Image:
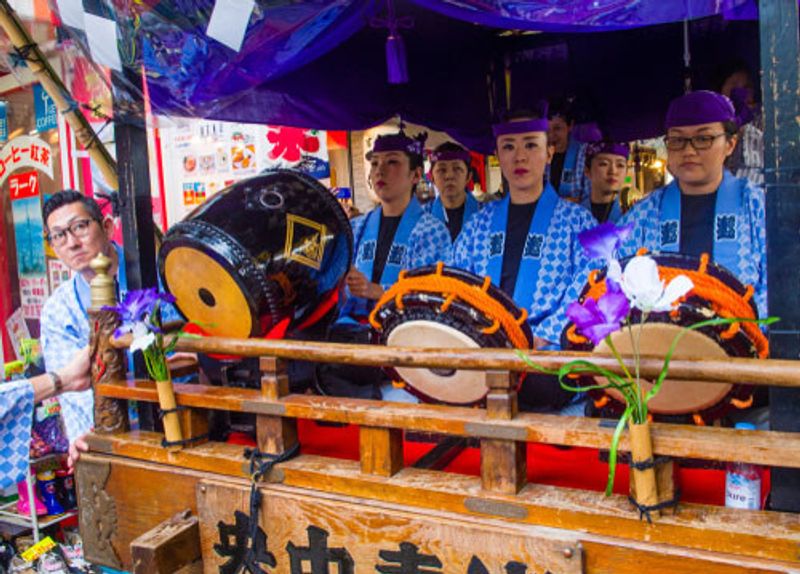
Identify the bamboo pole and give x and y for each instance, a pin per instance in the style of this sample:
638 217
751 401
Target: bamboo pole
55 88
734 370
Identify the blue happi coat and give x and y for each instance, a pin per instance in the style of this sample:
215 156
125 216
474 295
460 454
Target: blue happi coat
436 209
16 421
740 243
574 184
616 210
553 269
420 240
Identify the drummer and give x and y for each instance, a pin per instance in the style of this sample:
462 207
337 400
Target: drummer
527 243
705 209
397 234
451 173
606 167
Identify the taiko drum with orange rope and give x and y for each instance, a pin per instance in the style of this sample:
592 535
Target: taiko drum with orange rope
444 307
716 293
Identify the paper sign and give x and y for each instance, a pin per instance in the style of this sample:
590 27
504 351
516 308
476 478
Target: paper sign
229 20
32 292
101 34
17 330
71 13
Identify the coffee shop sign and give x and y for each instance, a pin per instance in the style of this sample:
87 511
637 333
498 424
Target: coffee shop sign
25 152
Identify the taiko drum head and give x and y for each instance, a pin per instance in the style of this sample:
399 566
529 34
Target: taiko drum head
264 250
448 308
716 289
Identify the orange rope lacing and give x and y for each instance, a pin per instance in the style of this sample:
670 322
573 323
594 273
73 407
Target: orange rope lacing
477 297
723 300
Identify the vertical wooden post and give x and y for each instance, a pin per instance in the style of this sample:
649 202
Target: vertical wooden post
274 434
780 83
108 363
381 450
503 463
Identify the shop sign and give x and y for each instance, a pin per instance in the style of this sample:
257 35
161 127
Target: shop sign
33 292
45 108
25 151
22 185
3 122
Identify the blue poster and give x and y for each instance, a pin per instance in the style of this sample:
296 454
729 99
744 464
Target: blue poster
46 113
3 123
28 235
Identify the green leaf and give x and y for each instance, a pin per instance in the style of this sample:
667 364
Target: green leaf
612 455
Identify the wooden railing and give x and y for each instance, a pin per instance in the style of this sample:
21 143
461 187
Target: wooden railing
502 430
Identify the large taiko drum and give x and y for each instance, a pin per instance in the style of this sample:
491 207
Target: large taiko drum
444 307
263 252
716 293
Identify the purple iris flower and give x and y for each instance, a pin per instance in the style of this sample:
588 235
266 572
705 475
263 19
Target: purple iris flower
597 319
604 240
135 308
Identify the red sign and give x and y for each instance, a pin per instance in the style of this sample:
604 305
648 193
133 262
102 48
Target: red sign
25 184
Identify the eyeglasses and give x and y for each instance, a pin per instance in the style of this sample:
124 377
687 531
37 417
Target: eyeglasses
78 229
701 142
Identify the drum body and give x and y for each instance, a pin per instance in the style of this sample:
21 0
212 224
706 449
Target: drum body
263 251
681 400
443 307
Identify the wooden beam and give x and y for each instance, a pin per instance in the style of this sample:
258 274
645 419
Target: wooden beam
504 467
169 547
732 370
274 434
769 448
747 535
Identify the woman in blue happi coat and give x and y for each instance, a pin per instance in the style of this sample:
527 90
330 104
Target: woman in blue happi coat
455 205
606 168
705 209
395 235
527 243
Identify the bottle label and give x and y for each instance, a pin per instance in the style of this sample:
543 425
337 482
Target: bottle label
742 492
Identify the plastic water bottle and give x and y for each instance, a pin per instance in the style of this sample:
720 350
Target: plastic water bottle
743 481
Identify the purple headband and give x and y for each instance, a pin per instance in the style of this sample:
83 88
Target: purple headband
701 107
399 142
614 148
521 127
462 155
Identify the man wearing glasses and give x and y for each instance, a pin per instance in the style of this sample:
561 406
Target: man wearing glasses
77 231
705 209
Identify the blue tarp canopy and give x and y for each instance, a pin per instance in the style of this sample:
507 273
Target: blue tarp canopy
322 63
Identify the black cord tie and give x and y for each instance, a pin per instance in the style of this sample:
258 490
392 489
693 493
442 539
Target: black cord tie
164 412
645 510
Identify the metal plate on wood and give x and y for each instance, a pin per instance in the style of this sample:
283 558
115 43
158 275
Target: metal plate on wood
306 533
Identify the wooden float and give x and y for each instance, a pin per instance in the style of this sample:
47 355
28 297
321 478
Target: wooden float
144 508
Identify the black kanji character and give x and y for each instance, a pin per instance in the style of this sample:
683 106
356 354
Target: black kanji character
409 561
242 558
476 566
318 555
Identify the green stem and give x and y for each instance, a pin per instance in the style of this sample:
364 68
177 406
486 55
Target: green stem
622 364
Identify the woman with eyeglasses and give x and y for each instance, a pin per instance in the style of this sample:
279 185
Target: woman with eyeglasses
705 209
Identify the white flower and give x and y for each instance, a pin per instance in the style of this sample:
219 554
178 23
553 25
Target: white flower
644 288
142 337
